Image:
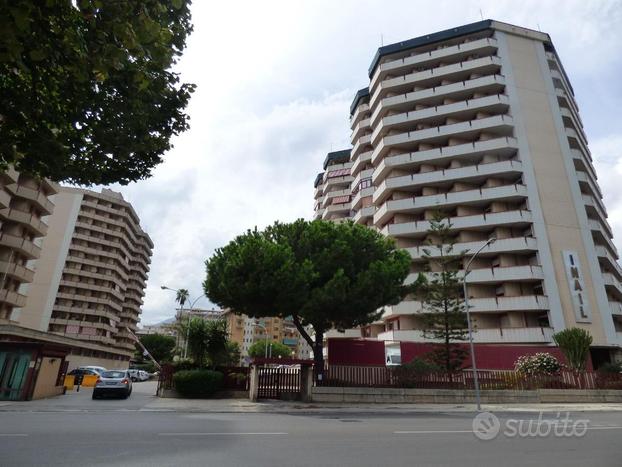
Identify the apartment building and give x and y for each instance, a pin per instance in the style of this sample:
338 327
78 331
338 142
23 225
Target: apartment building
90 278
481 123
246 331
333 192
24 205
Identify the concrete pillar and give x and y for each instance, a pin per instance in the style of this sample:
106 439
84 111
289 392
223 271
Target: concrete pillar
253 387
306 383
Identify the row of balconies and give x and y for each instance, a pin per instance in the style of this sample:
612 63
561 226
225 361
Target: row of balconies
470 174
93 288
445 200
136 234
477 305
28 220
496 104
493 275
495 335
17 271
498 125
85 311
74 258
63 294
14 299
115 238
328 197
36 197
488 220
21 245
133 222
493 83
486 46
503 245
433 77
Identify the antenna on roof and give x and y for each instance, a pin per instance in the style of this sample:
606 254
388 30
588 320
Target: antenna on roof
539 27
381 40
481 15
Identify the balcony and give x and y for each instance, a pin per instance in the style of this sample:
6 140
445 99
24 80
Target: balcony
420 228
359 162
458 71
17 271
30 221
14 299
501 125
613 283
5 198
616 308
360 144
21 245
359 113
336 211
513 245
38 198
603 253
328 198
493 83
333 333
505 146
362 175
446 200
582 162
496 275
586 180
478 173
484 46
594 204
497 104
602 231
358 198
364 214
481 336
359 129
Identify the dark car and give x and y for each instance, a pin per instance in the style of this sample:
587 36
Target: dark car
116 382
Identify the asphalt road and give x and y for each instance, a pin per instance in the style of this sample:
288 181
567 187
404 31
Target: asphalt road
119 432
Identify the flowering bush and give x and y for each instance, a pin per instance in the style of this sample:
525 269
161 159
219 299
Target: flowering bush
538 364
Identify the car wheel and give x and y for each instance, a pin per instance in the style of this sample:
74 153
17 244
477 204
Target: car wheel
95 396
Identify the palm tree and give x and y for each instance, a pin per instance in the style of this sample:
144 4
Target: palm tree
182 297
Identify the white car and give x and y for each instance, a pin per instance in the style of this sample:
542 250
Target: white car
138 375
116 382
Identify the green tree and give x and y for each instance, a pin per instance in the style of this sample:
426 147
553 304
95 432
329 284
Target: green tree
275 349
444 318
322 274
575 344
207 341
159 346
87 91
233 355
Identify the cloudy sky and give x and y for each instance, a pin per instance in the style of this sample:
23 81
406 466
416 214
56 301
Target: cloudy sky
274 84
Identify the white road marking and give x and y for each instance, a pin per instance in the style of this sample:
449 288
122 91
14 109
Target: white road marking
12 435
421 432
226 434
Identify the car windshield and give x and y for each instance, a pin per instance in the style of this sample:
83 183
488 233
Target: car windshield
113 374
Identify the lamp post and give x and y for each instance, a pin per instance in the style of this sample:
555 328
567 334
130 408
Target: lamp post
266 333
181 313
470 328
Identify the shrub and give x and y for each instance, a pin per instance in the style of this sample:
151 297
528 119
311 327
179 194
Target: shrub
539 364
575 345
410 374
198 383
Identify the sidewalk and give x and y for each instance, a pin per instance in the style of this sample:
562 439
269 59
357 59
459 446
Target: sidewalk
280 407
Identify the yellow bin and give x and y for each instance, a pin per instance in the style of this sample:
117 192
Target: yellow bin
69 380
89 380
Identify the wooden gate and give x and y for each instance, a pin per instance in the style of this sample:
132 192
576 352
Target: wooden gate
278 383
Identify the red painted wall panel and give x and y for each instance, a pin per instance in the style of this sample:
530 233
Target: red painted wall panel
355 352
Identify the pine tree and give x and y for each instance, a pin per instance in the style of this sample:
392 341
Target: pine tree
444 318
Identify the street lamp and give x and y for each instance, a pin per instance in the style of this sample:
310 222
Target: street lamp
468 313
181 312
266 333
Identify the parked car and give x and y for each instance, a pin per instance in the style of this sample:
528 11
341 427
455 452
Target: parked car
116 382
97 369
138 375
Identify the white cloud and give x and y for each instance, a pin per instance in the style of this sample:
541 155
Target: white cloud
275 81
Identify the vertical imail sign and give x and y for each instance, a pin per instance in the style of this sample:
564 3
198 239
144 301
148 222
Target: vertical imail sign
580 302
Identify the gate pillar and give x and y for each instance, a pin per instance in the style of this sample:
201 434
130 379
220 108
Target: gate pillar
306 382
253 386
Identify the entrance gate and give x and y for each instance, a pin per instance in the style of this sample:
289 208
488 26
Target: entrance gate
278 383
13 371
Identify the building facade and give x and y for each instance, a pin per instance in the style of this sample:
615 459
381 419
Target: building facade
90 278
25 204
480 123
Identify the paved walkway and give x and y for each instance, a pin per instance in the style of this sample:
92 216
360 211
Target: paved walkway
143 399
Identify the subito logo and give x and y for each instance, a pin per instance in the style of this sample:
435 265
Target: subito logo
486 426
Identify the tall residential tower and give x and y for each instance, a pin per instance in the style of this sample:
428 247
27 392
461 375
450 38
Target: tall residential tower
480 122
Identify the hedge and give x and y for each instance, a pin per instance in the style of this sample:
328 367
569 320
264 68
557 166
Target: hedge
198 383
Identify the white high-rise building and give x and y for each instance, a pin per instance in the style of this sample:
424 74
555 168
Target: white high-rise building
480 122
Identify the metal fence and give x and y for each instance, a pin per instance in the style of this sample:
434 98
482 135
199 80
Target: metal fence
381 376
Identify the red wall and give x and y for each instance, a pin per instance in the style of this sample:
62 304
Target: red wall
487 356
355 352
